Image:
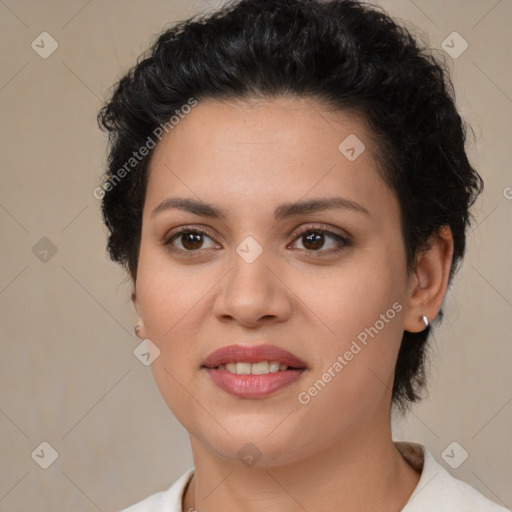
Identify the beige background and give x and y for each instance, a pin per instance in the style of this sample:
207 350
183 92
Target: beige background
68 374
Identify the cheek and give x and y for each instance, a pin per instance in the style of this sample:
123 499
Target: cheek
354 373
353 299
172 386
170 304
361 309
168 296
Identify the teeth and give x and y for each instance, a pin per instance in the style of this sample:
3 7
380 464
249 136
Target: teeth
243 368
274 367
259 368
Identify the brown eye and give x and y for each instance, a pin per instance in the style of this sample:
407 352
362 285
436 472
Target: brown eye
189 240
315 239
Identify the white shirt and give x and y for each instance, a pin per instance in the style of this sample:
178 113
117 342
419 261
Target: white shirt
437 490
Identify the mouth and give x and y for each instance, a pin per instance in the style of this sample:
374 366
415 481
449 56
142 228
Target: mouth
255 360
259 368
253 371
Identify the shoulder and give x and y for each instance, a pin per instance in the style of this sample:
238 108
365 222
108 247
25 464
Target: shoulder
438 490
164 501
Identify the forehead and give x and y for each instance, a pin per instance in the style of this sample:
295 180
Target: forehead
262 151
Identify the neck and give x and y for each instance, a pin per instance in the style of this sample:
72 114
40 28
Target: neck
362 471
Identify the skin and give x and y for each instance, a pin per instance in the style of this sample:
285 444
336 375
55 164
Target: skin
335 452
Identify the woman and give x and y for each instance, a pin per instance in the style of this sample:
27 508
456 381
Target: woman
288 188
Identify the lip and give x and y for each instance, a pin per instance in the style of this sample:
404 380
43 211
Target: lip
252 354
253 386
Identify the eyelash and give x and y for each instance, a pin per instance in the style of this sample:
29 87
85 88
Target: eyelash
342 242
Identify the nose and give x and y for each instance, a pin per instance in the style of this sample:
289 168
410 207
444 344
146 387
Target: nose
252 294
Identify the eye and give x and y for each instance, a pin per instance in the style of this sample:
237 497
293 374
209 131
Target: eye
314 239
191 240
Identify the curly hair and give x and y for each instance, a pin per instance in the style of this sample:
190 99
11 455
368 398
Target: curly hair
351 56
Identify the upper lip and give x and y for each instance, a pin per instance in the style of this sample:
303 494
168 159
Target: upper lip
252 354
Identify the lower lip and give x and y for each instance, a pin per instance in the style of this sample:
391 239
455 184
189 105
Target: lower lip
253 386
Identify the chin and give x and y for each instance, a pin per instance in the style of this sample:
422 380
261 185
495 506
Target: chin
260 442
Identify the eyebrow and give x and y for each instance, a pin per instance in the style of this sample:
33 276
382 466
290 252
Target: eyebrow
283 211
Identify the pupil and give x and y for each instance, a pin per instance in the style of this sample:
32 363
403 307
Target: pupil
314 238
191 240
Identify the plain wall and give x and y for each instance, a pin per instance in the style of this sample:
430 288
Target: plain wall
68 374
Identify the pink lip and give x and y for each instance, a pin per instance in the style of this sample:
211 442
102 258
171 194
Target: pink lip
253 386
252 354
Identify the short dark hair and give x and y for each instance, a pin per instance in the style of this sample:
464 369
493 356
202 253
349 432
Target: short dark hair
350 55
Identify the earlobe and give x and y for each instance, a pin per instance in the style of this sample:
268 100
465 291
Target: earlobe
139 324
430 281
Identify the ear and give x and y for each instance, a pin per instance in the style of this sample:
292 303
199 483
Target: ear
429 282
136 306
134 299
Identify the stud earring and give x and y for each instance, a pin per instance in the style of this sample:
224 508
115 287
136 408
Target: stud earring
136 329
425 321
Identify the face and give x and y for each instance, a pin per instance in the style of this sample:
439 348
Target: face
326 284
